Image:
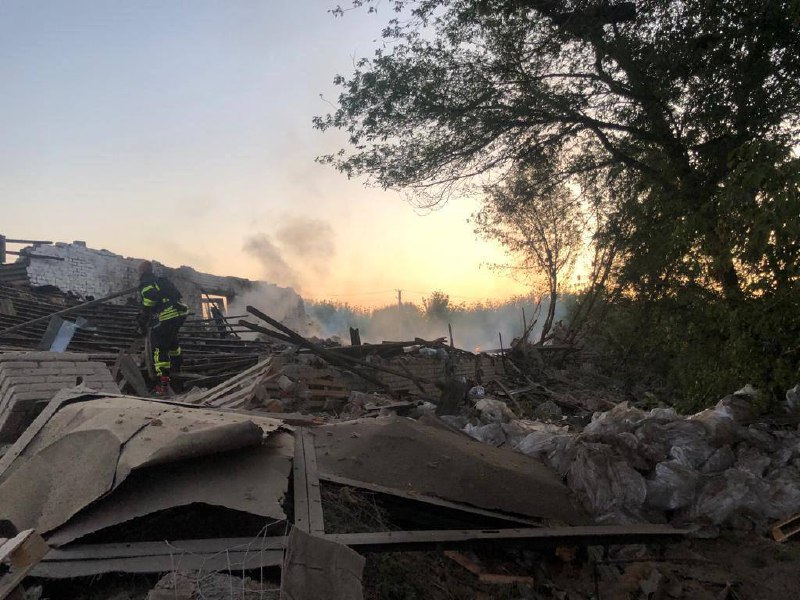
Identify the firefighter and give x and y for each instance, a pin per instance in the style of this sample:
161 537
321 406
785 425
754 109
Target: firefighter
162 313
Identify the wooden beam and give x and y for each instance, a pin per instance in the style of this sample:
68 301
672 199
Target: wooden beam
600 535
787 528
388 541
32 242
132 374
316 520
307 497
224 560
302 519
294 338
83 557
343 359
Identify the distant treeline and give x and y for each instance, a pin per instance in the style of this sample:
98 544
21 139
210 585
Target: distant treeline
475 325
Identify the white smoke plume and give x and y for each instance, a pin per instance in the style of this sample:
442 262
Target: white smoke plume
475 328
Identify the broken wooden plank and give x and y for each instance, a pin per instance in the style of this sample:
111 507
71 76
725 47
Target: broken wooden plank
783 530
510 396
133 375
463 561
243 378
302 519
172 558
505 579
316 521
333 358
86 556
268 332
23 552
601 535
307 497
492 578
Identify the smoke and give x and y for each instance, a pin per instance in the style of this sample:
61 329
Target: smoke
275 268
279 303
475 327
308 239
298 256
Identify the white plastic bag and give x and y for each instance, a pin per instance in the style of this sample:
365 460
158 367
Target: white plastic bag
621 418
494 411
491 434
672 486
603 481
721 496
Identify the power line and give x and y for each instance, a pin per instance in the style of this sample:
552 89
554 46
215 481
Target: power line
349 294
394 291
448 295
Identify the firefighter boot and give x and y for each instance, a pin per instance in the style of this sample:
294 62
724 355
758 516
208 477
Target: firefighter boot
162 387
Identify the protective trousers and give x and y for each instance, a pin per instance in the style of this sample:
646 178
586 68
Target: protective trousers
166 348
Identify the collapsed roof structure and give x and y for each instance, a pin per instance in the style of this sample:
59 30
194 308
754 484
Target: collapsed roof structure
94 475
276 436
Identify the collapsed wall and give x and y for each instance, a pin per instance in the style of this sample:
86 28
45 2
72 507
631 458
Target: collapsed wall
477 368
87 272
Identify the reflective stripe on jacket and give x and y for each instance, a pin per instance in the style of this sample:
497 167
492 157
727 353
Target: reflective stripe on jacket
161 297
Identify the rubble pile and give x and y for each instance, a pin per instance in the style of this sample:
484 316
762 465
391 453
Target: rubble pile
222 490
714 468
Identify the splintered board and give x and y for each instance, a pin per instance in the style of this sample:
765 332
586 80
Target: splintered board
23 552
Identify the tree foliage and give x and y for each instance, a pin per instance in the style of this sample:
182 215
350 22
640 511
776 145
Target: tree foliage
689 107
438 306
681 116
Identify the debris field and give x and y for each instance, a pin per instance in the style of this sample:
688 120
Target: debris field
284 466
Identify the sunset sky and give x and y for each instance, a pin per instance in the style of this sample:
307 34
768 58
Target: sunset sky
181 131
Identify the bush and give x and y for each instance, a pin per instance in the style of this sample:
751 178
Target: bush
692 348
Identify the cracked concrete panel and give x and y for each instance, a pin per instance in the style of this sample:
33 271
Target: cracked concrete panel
60 480
401 453
88 448
173 436
252 480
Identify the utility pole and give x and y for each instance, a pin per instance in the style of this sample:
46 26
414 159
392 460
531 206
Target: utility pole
400 319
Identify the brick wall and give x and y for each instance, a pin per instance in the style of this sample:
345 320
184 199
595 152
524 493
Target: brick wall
28 380
89 272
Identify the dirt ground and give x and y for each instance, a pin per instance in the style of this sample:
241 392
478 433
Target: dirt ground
730 567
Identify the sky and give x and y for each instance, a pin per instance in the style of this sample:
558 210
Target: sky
181 131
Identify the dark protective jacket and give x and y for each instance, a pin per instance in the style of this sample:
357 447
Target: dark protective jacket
160 298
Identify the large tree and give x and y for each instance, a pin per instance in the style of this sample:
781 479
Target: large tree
687 111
